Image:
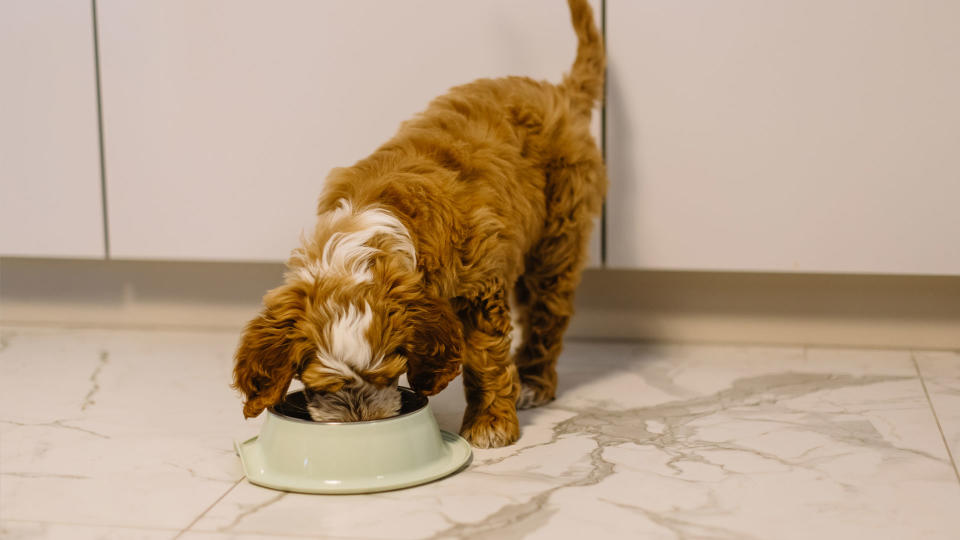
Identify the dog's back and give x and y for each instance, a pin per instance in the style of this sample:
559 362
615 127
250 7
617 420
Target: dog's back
478 164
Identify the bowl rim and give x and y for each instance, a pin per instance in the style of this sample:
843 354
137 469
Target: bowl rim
423 402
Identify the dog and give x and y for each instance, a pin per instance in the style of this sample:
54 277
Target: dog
458 244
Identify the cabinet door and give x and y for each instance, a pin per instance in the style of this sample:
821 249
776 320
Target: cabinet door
50 188
784 135
223 117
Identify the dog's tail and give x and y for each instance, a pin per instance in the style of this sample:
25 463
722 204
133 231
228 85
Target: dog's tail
585 80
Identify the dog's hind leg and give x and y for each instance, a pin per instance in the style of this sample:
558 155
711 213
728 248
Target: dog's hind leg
489 376
552 274
548 315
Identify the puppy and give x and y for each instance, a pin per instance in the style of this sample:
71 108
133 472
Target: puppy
458 243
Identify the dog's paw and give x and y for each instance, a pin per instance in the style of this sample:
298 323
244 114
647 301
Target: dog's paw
531 396
489 431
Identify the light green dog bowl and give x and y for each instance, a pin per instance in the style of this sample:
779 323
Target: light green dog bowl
294 453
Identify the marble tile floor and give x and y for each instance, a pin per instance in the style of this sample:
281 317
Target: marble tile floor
110 434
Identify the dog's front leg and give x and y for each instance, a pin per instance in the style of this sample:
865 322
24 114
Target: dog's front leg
490 378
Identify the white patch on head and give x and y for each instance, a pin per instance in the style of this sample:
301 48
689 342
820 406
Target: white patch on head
349 253
348 336
347 351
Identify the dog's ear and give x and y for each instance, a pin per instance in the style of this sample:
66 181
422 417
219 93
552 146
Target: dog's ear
434 345
269 355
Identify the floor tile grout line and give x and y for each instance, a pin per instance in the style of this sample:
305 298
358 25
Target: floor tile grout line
216 502
936 418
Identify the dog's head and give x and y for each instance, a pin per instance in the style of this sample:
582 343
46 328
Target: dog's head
352 317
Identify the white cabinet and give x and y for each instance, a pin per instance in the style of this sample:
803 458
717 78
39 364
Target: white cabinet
784 135
50 187
223 117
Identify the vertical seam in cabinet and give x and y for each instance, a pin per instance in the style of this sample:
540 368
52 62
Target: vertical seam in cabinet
103 166
603 132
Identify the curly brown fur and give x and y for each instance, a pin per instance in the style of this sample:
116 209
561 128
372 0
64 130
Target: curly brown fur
487 195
